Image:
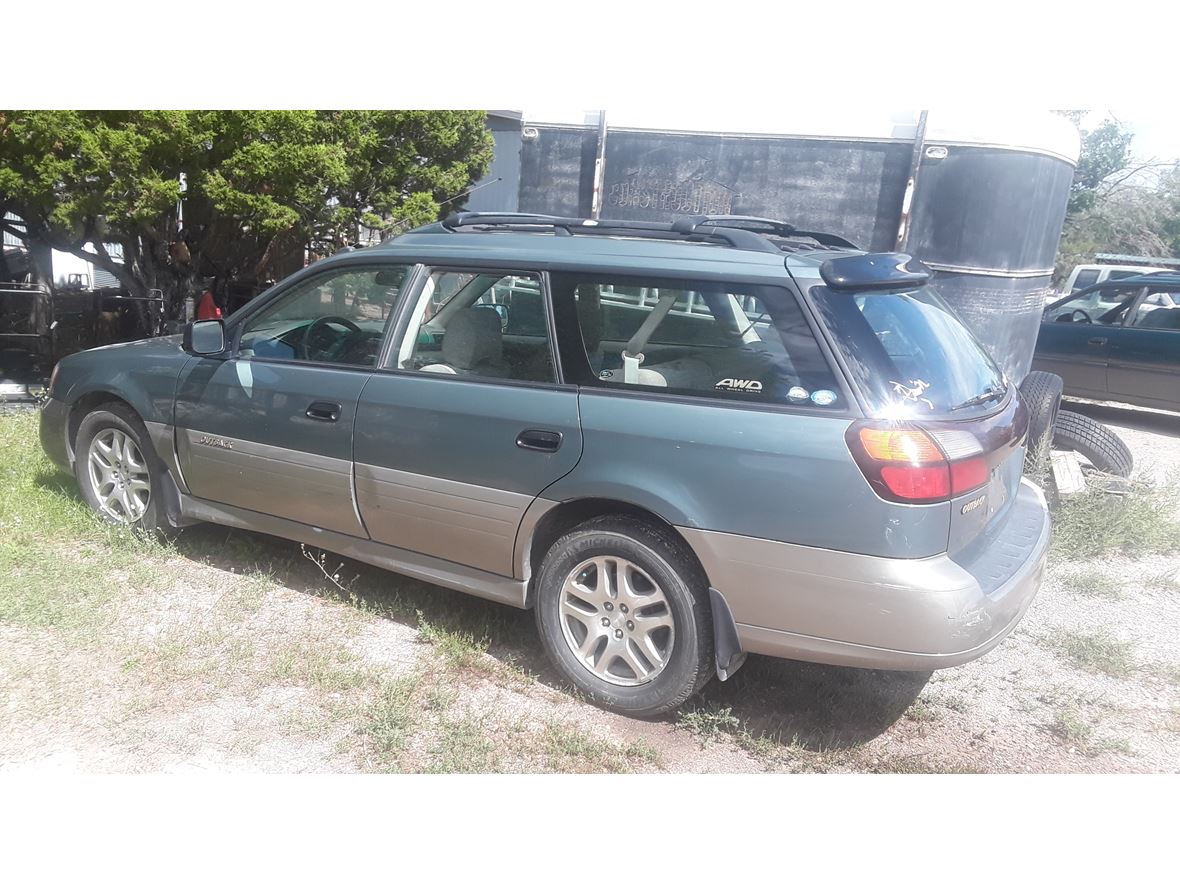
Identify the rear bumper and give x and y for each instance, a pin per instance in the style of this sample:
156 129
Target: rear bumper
841 608
54 416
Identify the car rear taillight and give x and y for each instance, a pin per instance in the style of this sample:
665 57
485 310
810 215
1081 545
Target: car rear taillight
917 466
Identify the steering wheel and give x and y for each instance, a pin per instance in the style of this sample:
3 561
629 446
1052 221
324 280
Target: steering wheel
1086 318
314 327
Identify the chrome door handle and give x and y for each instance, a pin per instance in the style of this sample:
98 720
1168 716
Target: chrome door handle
1096 342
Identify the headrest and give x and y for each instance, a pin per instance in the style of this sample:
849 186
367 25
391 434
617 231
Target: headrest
473 336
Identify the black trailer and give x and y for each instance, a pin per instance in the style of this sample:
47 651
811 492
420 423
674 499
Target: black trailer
980 202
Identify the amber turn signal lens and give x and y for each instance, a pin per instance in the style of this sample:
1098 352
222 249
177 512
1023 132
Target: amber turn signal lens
907 446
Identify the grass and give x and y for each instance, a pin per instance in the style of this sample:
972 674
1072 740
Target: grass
1095 582
1168 579
1096 652
572 750
391 716
1074 728
1095 523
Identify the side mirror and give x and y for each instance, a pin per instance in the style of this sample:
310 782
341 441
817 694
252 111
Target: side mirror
204 338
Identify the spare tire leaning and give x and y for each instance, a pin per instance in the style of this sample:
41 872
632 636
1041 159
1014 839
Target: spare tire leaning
1094 441
1041 392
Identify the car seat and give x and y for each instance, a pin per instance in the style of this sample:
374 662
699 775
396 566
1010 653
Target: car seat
473 344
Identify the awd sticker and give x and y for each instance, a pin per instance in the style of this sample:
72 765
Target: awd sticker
739 384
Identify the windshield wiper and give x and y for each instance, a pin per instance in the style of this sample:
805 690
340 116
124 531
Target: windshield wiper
987 396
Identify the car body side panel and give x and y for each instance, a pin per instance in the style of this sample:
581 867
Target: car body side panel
770 474
438 469
1078 353
142 373
1145 367
244 438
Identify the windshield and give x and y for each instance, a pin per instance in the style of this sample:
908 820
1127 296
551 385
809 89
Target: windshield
910 354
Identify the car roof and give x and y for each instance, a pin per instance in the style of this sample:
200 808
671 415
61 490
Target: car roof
550 252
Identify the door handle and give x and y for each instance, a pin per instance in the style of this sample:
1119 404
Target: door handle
1096 342
539 440
321 411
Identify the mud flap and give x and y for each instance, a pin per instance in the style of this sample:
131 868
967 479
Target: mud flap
727 648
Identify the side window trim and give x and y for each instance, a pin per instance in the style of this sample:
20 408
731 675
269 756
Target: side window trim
293 286
572 352
422 286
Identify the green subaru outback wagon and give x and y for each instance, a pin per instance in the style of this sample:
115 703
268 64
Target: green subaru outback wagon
678 443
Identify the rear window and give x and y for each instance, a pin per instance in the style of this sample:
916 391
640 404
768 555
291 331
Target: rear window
1084 278
910 354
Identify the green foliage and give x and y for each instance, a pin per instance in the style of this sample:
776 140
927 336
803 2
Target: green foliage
1106 151
1095 523
260 184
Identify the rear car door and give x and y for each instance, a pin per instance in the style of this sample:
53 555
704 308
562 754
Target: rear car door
269 429
1074 340
469 421
1145 355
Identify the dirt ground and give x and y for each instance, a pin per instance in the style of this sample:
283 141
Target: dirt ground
230 651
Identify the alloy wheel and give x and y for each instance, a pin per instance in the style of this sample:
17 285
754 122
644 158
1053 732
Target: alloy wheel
616 620
119 476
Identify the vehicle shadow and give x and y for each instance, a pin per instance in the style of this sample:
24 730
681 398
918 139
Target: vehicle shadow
1166 423
809 705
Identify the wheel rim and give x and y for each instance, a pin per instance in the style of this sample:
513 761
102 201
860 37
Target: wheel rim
119 476
616 620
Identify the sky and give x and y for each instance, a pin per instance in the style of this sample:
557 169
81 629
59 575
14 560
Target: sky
1157 133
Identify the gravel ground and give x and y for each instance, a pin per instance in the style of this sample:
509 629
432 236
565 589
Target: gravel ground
210 665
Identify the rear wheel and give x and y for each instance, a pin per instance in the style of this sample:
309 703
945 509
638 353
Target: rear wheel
118 472
623 612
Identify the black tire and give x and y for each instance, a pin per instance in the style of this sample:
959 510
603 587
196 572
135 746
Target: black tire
120 417
1041 392
675 572
1096 442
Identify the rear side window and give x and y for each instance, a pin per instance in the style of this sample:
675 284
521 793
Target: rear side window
701 338
910 354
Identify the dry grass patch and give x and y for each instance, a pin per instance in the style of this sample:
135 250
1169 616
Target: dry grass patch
1096 652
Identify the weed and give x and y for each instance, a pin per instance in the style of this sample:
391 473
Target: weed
1094 582
1097 652
1097 523
709 723
390 716
572 750
458 648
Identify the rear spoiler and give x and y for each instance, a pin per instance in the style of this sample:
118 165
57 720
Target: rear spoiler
874 270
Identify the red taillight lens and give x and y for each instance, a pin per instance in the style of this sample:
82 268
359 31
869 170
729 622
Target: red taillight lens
968 475
914 466
918 483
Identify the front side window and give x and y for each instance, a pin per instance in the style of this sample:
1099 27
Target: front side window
1103 307
332 318
484 325
701 338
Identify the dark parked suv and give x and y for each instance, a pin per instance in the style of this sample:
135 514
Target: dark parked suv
680 443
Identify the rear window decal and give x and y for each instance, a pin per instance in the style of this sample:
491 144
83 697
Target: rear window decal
823 397
747 384
912 393
797 394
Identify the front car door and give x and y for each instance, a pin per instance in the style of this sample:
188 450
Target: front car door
1075 336
269 429
1145 356
469 422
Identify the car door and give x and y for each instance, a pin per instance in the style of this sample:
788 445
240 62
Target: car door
1145 355
269 428
469 423
1075 334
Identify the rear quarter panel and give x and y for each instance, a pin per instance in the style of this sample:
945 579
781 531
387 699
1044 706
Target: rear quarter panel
783 476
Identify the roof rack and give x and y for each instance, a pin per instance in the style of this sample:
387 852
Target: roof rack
730 230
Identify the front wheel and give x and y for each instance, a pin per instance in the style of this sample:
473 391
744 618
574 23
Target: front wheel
623 612
118 472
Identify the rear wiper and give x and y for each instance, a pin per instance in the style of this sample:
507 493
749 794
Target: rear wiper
987 396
